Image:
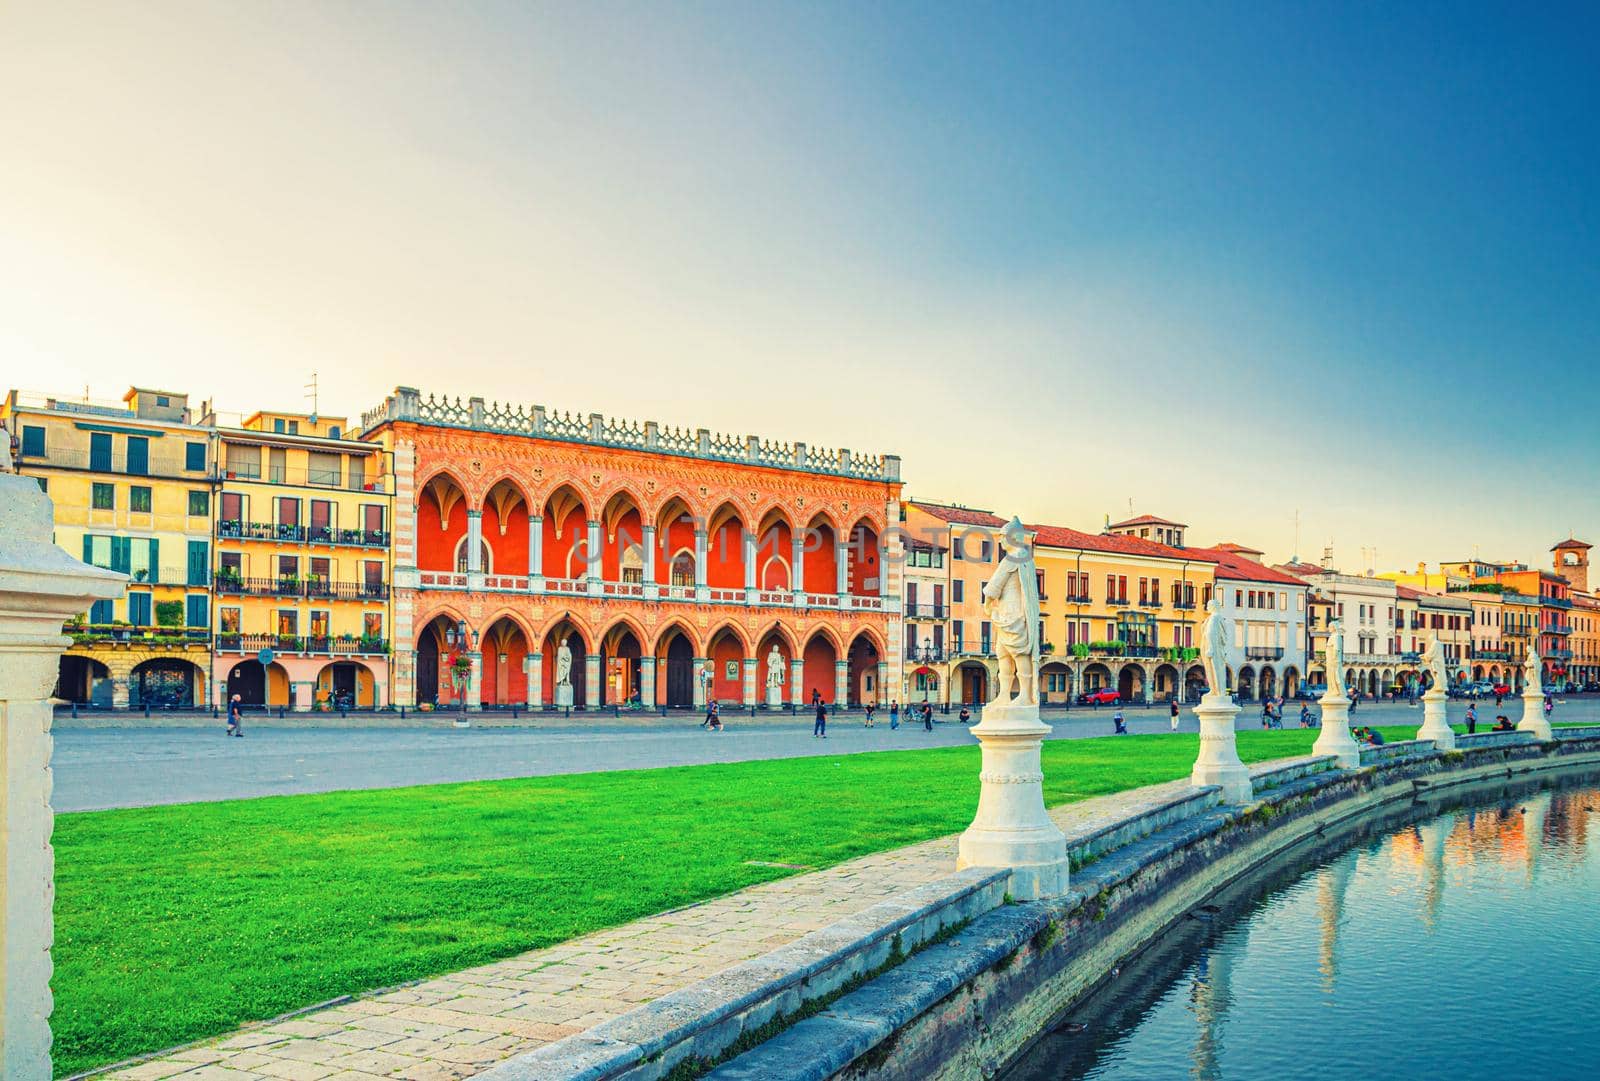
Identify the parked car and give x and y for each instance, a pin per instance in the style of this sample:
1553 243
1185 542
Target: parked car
1103 697
1592 687
1311 690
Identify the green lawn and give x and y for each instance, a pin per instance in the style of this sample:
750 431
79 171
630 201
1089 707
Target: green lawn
175 923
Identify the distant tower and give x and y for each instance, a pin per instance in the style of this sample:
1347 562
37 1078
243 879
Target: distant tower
1572 563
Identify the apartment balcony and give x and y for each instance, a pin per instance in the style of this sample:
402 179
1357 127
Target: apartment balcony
1152 602
1559 655
925 654
928 611
114 634
314 589
1556 602
304 477
233 529
1184 606
1077 598
1264 653
1410 657
1555 630
302 645
1488 655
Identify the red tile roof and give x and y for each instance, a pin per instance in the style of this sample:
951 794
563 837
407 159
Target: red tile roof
1239 549
1570 542
1235 567
1056 536
960 515
1300 569
1147 519
1406 593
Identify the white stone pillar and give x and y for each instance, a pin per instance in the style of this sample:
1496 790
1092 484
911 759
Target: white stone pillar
475 681
651 590
474 544
842 568
533 665
535 553
1012 828
40 588
699 683
593 563
647 682
1533 721
749 682
841 683
797 680
749 566
797 565
1335 737
701 590
879 695
1435 725
1218 762
591 681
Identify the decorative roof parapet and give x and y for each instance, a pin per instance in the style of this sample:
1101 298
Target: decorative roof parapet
408 404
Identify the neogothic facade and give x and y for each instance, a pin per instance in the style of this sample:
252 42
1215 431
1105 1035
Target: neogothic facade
670 563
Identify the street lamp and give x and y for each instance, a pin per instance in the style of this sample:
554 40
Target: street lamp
461 638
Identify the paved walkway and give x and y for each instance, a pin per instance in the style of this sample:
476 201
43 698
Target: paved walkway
128 767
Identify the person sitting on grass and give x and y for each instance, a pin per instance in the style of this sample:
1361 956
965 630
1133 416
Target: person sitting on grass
1502 723
1120 726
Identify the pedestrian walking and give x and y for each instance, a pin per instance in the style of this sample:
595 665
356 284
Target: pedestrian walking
235 717
1119 726
1549 706
1472 717
1266 713
819 729
894 716
870 710
816 697
1305 715
1174 713
927 717
712 721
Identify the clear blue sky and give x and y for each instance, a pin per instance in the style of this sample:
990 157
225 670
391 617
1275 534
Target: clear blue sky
1224 260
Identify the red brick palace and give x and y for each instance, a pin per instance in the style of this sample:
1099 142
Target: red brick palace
656 554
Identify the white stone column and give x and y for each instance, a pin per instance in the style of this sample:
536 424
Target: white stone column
40 588
749 566
535 553
841 683
699 684
749 682
1012 828
651 590
701 591
593 564
475 550
533 665
1335 737
1218 762
1435 725
797 681
591 681
797 565
647 682
1533 721
842 568
475 681
880 696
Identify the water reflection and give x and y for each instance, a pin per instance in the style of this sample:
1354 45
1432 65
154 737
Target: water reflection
1420 924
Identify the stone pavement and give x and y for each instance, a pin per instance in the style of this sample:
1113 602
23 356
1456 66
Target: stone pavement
457 1025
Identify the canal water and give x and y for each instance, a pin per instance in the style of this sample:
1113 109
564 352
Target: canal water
1463 944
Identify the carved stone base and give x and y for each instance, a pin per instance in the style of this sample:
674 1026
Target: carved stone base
774 697
1011 828
1335 737
1533 721
563 694
1218 762
1435 725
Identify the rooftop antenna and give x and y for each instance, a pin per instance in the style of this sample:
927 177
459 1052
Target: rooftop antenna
1296 557
312 388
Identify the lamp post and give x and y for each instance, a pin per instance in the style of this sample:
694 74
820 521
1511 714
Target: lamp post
462 640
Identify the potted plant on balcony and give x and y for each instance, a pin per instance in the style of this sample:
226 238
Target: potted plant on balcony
371 643
228 578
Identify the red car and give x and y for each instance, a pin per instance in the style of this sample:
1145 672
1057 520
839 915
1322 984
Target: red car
1102 697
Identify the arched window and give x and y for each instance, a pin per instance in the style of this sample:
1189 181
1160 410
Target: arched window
461 556
633 564
683 568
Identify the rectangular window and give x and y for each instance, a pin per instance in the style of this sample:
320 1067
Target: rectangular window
244 462
197 610
100 613
288 566
957 633
288 621
277 465
321 520
143 558
234 563
138 455
1111 588
372 576
100 452
199 504
139 609
357 473
958 591
199 565
1122 589
986 550
33 440
102 496
139 498
372 625
194 457
228 620
288 514
372 518
984 631
324 469
319 624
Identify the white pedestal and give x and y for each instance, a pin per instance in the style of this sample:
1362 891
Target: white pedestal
1335 737
1434 724
1011 828
774 697
1218 762
563 694
1533 721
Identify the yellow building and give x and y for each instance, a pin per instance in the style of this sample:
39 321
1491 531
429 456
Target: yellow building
1120 612
1488 656
132 484
1442 582
302 574
950 552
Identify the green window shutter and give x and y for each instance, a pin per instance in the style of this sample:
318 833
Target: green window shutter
199 562
155 560
121 554
88 549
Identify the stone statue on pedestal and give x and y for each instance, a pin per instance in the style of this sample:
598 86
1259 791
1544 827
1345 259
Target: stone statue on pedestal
1333 659
1011 600
1214 648
1532 669
563 664
775 677
1433 658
